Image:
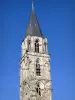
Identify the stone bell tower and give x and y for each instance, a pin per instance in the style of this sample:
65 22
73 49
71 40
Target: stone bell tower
35 76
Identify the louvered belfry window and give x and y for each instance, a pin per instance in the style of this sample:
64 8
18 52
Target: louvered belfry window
36 46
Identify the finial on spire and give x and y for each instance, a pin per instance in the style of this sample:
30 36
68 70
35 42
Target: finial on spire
32 4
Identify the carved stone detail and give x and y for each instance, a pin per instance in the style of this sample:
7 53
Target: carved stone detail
28 77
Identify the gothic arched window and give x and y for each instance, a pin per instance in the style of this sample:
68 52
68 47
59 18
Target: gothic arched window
29 44
36 46
38 89
37 67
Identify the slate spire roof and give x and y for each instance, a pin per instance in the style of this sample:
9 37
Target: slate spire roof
33 28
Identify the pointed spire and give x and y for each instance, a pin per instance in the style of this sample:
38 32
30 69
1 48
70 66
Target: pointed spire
33 28
32 4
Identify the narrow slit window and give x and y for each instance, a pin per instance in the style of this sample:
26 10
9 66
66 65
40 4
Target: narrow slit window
45 47
29 45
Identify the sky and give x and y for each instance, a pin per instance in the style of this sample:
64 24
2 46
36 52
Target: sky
57 22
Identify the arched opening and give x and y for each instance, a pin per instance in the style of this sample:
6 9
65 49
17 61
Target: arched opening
37 68
36 46
38 89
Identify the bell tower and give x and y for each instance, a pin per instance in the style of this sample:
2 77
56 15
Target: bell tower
35 76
